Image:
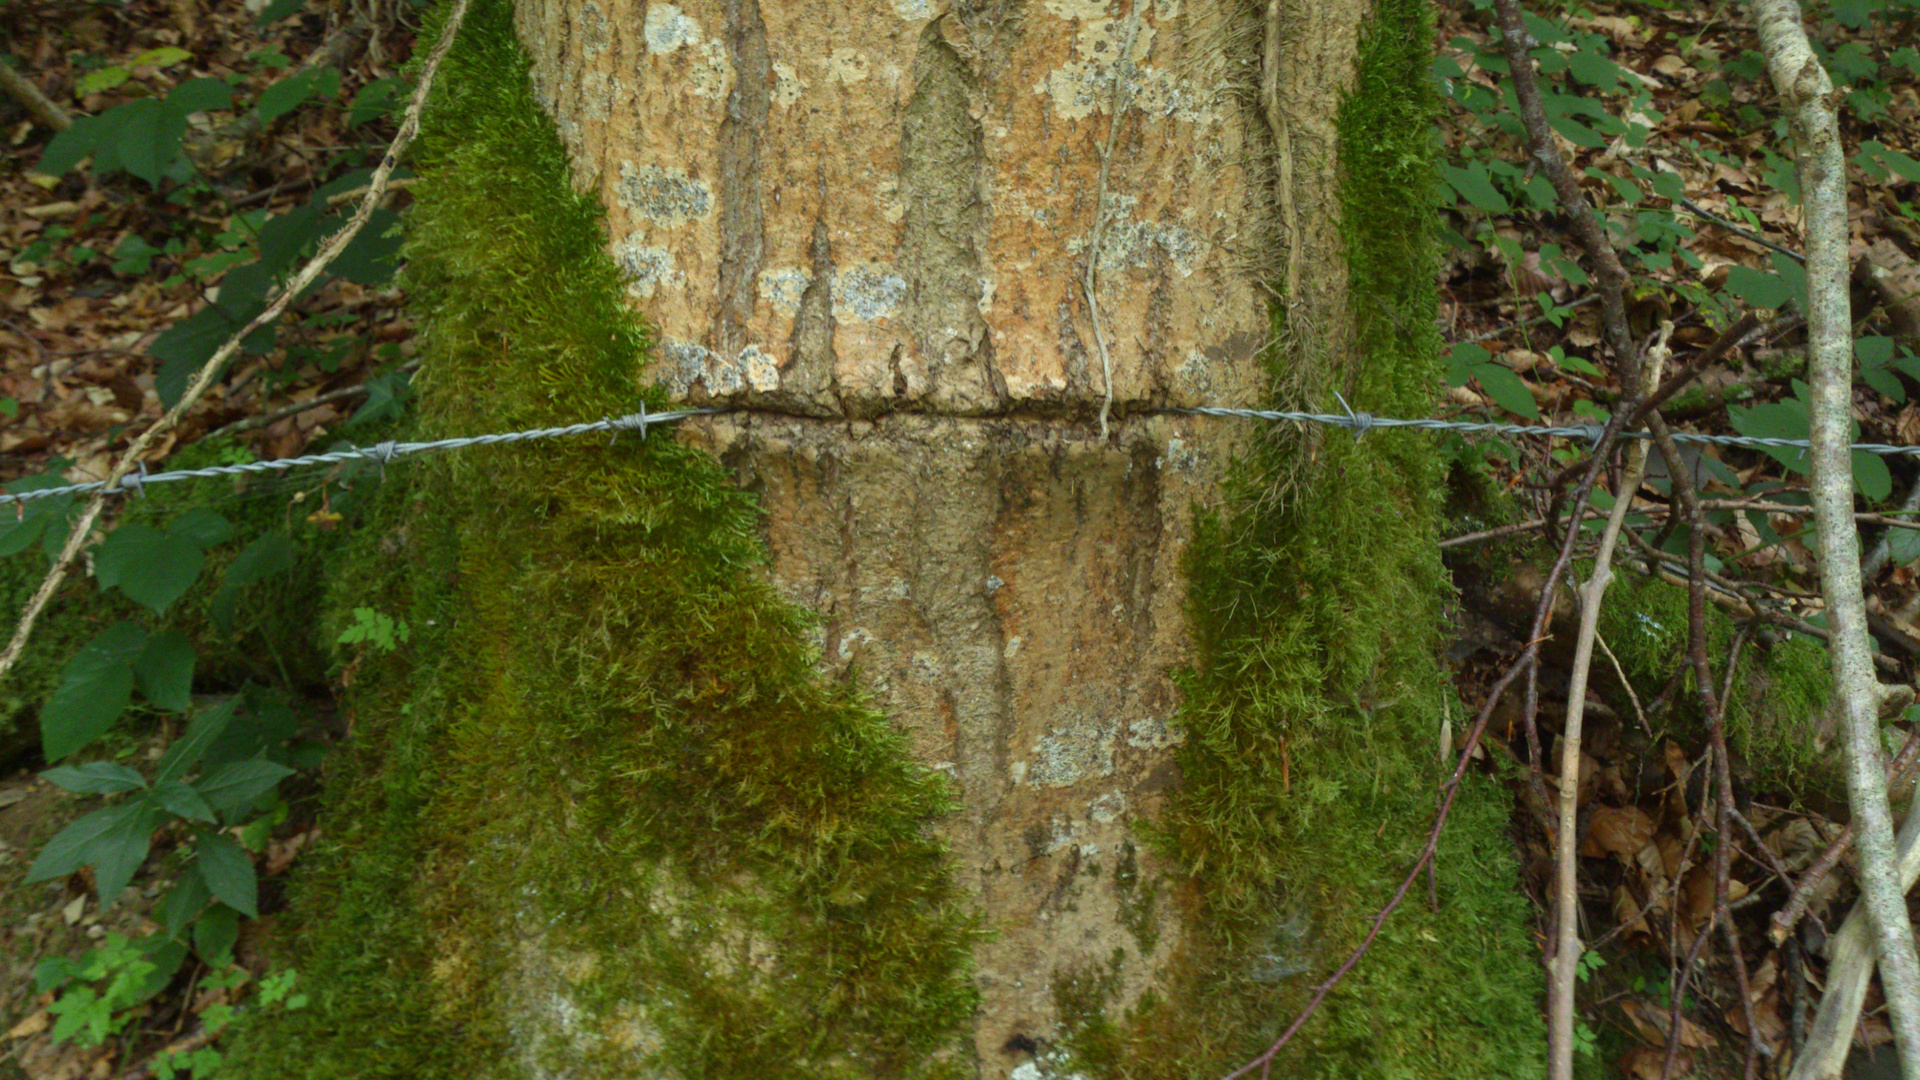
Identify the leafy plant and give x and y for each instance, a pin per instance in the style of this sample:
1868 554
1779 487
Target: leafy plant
376 628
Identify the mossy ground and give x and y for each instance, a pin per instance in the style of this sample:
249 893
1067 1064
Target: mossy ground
1314 712
603 780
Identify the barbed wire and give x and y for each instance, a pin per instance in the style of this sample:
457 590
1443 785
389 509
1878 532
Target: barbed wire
1358 422
379 452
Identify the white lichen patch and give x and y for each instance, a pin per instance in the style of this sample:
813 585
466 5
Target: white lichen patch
1128 243
1077 9
866 292
1153 733
914 10
760 368
711 73
668 28
848 66
1107 808
1178 456
647 267
782 287
788 87
682 364
1072 751
593 31
662 196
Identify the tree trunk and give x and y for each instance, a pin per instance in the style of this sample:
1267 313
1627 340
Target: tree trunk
945 267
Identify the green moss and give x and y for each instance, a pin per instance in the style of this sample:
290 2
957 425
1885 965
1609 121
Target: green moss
611 811
1313 710
1778 699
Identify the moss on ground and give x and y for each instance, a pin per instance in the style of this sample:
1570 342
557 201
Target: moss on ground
1780 692
601 810
1314 709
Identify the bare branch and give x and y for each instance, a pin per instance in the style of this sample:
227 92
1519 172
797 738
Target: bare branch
1809 100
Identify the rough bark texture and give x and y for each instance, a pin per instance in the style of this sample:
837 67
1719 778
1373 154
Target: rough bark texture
850 213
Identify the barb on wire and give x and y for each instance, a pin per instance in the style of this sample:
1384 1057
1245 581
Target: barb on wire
382 453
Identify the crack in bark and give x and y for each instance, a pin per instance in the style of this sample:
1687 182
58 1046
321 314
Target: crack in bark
742 217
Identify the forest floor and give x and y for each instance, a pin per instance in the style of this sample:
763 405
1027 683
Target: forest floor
1663 108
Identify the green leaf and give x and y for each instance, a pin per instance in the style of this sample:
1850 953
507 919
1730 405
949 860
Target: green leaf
153 568
68 148
200 95
18 533
232 789
1594 70
1903 546
180 800
203 527
1505 387
296 90
163 57
113 841
164 671
95 687
378 98
1871 477
277 10
269 554
1758 288
106 78
95 778
207 727
373 253
214 934
1474 185
184 902
148 139
228 870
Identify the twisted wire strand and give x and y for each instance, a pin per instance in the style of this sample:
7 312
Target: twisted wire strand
1358 422
379 452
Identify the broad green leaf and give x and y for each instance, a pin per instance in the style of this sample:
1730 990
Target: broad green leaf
277 10
200 95
232 789
228 871
163 57
267 555
113 841
180 800
375 100
70 147
17 533
1669 186
95 778
1474 185
149 138
1505 388
202 526
371 256
153 568
206 728
296 90
164 671
1871 477
1758 288
101 79
1594 70
214 934
95 687
186 900
1903 546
